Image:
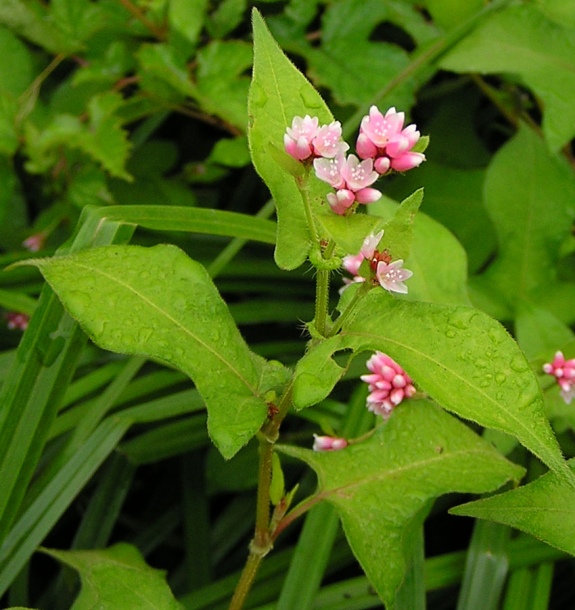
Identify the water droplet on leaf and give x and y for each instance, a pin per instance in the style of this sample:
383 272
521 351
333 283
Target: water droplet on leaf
309 97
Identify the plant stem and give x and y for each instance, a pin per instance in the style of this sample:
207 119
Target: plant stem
321 299
359 294
246 579
262 541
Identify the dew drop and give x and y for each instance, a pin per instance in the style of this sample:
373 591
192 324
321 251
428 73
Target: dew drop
450 333
484 383
500 378
480 363
309 97
81 300
144 275
518 364
461 319
258 95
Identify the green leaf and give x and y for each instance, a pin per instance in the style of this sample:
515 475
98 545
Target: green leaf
222 85
351 65
449 13
102 137
159 303
187 17
545 509
530 197
398 233
462 358
226 17
77 20
539 332
278 93
348 232
29 19
195 220
8 132
520 40
436 258
117 577
159 61
14 81
454 197
380 486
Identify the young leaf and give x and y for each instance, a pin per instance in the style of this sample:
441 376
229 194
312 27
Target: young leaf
380 485
159 303
278 93
461 357
117 577
398 233
545 509
438 261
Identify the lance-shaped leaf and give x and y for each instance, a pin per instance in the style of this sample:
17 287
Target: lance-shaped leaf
157 302
117 577
278 93
461 357
381 485
545 509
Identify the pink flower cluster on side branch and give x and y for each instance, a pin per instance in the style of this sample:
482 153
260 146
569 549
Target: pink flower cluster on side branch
388 384
383 145
564 373
387 273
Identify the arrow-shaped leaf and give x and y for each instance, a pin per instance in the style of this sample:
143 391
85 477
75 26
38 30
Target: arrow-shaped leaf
117 577
278 93
157 302
545 509
381 485
462 358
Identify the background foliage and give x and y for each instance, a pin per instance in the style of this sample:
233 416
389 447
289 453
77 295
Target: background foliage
109 106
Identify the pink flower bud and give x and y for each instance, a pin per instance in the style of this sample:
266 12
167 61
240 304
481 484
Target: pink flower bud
341 201
328 443
564 373
407 161
34 242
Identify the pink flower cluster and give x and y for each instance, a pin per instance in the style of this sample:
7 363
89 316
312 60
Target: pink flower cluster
328 443
383 145
564 372
390 275
384 139
16 321
388 383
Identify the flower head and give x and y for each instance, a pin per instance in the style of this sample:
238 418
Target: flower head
388 384
328 443
384 139
564 373
328 143
299 137
351 177
392 276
